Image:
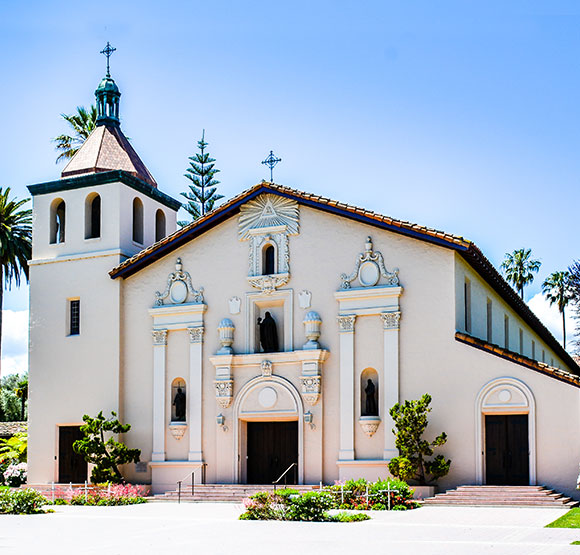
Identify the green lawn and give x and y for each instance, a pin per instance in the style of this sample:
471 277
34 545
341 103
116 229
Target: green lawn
569 520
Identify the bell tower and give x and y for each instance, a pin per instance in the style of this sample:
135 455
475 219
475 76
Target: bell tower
105 208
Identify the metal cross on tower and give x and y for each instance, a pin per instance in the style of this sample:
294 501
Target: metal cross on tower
271 162
107 51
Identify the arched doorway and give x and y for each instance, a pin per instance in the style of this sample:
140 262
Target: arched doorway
268 430
505 433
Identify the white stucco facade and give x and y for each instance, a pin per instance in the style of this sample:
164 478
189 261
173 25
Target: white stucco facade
394 321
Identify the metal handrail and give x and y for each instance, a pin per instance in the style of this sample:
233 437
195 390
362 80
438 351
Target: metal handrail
179 482
283 475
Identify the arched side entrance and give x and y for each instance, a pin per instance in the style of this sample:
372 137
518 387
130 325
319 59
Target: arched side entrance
266 391
505 417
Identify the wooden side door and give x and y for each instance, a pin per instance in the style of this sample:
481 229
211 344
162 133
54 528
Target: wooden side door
507 450
71 466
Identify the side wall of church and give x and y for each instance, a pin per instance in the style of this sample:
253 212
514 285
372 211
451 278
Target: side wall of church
482 296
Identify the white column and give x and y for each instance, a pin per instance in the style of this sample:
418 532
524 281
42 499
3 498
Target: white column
390 386
194 399
346 328
159 348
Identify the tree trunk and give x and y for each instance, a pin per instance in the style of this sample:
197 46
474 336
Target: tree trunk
564 328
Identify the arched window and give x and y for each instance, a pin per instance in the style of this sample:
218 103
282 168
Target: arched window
369 392
159 225
138 221
269 260
178 400
93 216
57 221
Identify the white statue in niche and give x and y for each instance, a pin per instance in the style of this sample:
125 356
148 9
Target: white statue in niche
304 298
235 305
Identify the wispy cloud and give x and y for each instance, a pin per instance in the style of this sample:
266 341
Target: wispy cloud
14 341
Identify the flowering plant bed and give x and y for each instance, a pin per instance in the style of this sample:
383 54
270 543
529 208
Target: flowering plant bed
381 495
289 504
21 502
104 495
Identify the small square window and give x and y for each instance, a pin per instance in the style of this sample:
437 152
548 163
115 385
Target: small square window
75 317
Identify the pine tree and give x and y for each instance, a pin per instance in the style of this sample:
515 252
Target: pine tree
202 194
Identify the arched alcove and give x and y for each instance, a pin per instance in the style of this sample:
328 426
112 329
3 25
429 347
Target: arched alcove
268 259
160 230
178 400
57 221
369 392
137 221
93 216
240 417
504 397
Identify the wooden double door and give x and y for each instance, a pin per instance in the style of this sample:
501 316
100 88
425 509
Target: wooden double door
271 448
507 450
71 466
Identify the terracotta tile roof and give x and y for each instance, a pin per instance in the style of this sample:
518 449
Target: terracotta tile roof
541 367
466 249
8 429
107 149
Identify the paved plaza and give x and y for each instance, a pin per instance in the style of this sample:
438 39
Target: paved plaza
214 528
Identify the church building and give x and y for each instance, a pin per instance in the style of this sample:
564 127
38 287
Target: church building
279 328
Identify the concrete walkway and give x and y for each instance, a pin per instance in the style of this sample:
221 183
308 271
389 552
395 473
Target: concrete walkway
212 528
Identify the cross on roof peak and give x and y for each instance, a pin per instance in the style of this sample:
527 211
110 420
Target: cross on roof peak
108 51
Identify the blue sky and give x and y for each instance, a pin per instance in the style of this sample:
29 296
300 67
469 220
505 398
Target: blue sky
463 116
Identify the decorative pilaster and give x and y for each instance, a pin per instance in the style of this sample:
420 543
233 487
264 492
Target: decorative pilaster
194 398
390 393
224 392
159 355
346 328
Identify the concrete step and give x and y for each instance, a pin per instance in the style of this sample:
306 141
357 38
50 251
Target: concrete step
515 496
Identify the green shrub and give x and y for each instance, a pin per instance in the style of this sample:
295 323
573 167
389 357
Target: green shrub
21 502
349 517
310 506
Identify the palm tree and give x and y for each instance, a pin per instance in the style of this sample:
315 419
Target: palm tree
15 244
22 393
556 288
82 123
519 268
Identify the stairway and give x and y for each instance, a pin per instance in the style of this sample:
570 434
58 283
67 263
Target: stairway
502 496
232 493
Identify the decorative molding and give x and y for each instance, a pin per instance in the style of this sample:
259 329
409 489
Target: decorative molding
268 211
304 299
235 305
224 392
268 284
369 424
369 268
159 337
196 334
267 369
391 320
311 388
346 323
178 430
179 287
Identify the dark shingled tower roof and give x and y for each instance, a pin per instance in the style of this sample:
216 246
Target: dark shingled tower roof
107 149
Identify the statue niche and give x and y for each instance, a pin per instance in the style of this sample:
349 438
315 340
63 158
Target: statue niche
268 334
178 402
369 392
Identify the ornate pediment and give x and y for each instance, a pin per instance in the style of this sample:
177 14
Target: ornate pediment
267 213
369 268
179 288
